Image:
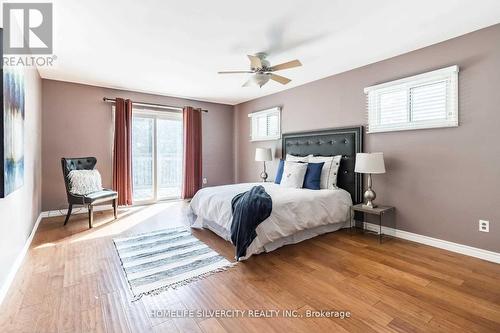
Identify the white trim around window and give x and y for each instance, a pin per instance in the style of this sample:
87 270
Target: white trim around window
428 100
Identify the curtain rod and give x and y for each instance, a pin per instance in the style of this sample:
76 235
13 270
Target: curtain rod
159 106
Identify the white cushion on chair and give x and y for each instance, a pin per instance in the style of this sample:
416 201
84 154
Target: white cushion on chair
83 182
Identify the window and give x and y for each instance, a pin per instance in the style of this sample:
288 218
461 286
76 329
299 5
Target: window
266 124
427 100
157 152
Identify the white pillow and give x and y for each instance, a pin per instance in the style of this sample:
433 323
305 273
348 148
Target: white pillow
83 182
293 174
293 158
329 171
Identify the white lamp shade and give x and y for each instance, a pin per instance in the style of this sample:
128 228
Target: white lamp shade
370 163
263 154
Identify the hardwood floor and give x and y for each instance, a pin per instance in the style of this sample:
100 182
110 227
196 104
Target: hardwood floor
71 281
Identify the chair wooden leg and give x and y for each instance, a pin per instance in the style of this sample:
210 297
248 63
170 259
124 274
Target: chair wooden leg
91 216
114 208
70 208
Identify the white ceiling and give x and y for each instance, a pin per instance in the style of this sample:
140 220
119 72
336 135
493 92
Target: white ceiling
176 47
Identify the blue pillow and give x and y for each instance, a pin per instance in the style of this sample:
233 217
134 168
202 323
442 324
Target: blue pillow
312 179
279 173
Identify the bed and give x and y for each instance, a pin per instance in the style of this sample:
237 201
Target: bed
297 214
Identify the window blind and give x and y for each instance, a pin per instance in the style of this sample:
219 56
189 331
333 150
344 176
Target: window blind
427 100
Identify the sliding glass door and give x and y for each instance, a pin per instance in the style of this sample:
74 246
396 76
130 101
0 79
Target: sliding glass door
170 153
157 148
143 158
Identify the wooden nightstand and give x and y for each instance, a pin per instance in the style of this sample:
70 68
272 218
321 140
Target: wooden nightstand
380 211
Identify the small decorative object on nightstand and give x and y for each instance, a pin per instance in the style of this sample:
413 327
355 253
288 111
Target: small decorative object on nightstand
370 163
380 211
263 155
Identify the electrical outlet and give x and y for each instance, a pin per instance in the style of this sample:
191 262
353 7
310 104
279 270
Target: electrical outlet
484 226
205 181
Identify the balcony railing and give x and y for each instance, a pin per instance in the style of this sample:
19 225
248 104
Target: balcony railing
169 176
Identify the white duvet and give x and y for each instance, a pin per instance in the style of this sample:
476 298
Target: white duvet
294 211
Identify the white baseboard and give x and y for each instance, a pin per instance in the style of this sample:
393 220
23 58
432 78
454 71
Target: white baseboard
439 243
76 210
19 260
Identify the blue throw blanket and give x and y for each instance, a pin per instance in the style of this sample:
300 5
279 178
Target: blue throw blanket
249 209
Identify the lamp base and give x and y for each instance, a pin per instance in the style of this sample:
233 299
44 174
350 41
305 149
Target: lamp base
369 205
263 176
369 197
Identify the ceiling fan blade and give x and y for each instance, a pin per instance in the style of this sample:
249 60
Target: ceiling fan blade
286 65
280 79
255 61
234 72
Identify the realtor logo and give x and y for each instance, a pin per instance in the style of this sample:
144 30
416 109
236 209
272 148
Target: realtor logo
27 28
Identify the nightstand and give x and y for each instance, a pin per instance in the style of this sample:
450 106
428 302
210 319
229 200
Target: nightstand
380 211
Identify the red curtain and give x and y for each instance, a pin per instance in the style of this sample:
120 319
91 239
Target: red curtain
192 152
122 158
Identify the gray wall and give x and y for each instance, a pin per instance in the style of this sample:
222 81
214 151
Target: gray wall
76 122
442 181
20 209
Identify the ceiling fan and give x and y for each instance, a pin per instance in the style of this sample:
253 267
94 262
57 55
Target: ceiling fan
263 71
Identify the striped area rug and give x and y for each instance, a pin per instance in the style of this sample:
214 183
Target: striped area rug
165 259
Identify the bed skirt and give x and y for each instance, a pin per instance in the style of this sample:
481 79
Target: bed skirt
255 247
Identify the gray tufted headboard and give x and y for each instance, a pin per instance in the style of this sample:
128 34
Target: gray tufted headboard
346 141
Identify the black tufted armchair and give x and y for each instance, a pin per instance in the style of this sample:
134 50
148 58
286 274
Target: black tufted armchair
89 200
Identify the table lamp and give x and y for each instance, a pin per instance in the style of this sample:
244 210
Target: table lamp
263 155
370 163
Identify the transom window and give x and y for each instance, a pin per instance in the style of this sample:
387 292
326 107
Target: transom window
427 100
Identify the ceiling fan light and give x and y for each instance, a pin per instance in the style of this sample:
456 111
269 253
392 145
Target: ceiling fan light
261 79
